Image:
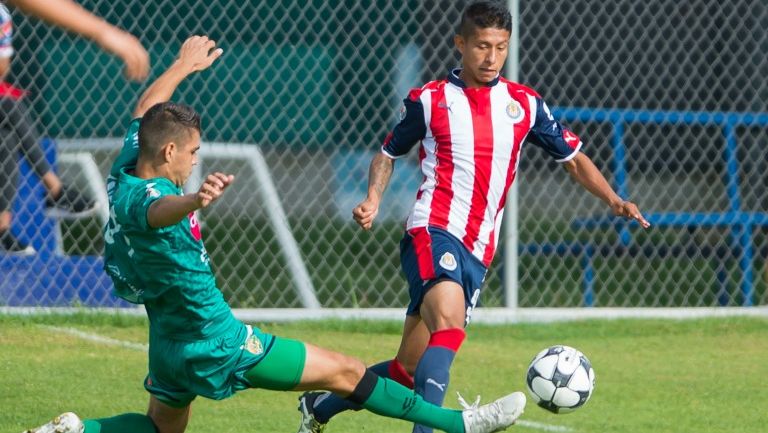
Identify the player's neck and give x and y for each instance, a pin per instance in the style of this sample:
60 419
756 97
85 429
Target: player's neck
469 83
147 170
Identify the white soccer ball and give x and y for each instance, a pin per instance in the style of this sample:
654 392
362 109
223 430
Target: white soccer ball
560 379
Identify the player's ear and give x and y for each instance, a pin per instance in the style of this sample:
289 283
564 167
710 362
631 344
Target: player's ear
458 41
169 151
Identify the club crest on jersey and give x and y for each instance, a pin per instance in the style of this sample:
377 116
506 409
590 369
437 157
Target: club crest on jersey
448 262
515 111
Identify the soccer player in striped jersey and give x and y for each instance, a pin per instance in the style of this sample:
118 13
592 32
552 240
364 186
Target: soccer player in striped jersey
471 126
155 255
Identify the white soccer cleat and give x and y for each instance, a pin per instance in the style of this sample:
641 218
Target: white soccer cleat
65 423
493 417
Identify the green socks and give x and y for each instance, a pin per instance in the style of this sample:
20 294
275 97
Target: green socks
125 423
389 398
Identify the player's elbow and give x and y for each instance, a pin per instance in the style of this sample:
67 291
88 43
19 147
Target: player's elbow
141 107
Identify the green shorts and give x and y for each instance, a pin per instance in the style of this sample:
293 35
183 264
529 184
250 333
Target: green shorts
216 368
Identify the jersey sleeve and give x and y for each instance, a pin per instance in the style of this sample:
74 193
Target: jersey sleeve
129 153
128 156
409 131
6 32
552 136
147 193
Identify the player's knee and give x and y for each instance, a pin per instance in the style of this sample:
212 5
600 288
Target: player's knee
349 372
167 419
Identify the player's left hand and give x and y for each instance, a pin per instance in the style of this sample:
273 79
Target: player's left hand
629 210
213 187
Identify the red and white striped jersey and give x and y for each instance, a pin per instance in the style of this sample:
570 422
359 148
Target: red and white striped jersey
470 150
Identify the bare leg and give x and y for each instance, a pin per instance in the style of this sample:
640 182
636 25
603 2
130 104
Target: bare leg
443 307
168 419
324 369
52 184
413 343
5 220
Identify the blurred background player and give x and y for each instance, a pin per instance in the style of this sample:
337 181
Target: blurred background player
155 255
471 126
18 133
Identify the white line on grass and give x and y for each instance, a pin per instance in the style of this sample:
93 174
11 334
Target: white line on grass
542 426
98 338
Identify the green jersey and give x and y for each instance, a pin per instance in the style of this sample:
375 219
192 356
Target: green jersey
167 269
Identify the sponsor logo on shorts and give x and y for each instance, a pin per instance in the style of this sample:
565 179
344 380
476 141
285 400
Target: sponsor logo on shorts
448 262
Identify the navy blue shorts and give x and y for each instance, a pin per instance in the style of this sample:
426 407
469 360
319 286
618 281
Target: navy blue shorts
430 255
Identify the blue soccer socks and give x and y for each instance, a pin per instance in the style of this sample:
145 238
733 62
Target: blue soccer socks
433 371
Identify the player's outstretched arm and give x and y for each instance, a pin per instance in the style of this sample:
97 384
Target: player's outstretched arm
71 16
196 54
378 178
584 171
171 209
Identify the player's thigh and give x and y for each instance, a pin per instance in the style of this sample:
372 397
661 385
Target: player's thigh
294 365
444 306
168 419
329 370
281 368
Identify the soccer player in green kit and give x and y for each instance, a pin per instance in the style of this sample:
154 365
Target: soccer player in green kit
155 256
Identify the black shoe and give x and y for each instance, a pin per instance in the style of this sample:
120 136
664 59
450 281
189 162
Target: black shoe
306 407
69 204
10 245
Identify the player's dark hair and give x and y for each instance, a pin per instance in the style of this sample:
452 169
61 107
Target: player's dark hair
166 122
484 15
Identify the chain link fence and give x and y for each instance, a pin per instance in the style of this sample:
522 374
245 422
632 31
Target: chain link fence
668 96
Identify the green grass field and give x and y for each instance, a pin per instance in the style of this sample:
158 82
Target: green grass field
653 376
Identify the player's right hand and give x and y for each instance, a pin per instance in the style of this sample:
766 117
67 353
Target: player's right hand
365 213
198 53
213 187
128 48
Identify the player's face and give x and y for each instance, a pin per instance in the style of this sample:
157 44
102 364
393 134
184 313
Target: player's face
185 157
483 54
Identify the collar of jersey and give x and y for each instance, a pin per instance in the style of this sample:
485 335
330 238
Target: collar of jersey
453 77
133 179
